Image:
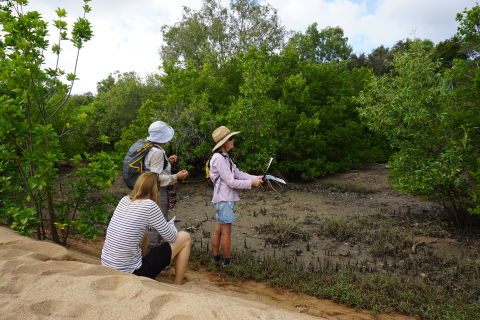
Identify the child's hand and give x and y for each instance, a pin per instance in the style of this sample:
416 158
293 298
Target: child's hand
172 158
256 183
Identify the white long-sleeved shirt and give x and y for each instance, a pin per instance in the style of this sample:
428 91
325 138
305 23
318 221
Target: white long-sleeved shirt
154 162
129 222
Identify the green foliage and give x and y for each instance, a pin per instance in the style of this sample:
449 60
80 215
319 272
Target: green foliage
184 102
214 33
405 45
81 32
469 29
33 122
464 112
475 192
379 60
327 45
24 219
422 117
449 50
301 112
321 127
255 113
81 205
116 105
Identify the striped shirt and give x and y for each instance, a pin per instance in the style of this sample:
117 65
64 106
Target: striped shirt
129 222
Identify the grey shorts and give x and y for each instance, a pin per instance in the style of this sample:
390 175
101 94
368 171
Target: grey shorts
224 211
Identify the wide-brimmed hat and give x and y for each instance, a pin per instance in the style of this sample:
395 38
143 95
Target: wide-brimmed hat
159 132
221 135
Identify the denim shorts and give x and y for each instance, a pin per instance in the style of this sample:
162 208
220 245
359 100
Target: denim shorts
224 211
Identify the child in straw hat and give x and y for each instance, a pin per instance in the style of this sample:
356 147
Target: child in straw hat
226 177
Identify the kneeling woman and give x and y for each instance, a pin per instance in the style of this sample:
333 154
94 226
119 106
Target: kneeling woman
133 216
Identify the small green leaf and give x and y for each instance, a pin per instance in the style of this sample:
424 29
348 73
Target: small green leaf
71 77
60 24
56 49
61 13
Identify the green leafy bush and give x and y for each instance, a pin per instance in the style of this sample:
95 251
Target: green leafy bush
32 124
431 121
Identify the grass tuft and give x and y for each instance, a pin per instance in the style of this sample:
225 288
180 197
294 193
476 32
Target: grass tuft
427 298
280 232
384 237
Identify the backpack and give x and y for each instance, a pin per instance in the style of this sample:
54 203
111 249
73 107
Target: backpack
134 162
207 174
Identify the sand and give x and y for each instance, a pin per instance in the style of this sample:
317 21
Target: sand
42 280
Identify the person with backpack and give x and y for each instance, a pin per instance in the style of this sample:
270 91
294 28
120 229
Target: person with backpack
133 216
149 155
226 178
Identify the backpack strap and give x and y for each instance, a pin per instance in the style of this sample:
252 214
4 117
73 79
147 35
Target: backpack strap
214 182
165 162
145 147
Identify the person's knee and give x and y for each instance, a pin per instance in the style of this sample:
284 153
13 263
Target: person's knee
184 237
183 241
227 229
216 233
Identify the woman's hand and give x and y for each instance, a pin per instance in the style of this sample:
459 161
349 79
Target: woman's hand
181 175
172 158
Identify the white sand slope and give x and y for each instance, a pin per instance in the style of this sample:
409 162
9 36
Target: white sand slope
42 280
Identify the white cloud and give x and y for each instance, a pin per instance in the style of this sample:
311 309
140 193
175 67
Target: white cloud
127 34
389 21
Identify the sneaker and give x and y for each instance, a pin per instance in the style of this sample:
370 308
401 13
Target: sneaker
226 261
217 260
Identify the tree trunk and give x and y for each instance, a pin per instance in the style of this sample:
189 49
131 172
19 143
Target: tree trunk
458 215
39 230
41 227
51 215
65 235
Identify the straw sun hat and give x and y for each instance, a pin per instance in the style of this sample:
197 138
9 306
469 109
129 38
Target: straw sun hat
221 135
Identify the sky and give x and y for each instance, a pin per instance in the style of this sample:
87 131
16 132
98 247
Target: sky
127 34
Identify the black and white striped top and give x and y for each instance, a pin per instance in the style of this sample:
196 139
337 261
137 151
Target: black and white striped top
129 222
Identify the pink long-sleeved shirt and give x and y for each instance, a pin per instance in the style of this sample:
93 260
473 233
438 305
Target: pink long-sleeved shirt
229 178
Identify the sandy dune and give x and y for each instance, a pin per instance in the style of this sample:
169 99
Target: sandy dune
42 280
